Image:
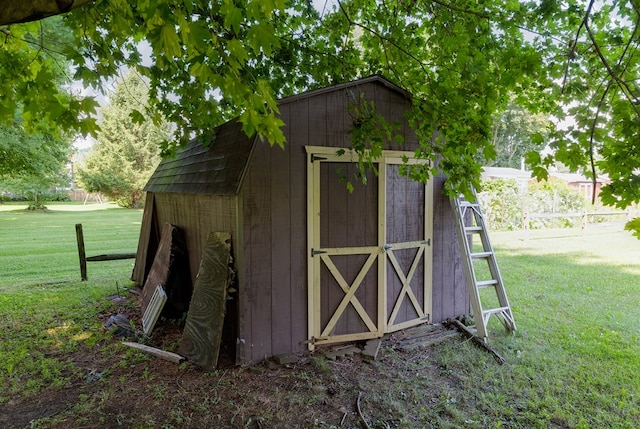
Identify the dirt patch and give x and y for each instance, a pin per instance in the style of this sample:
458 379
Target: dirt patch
122 387
20 412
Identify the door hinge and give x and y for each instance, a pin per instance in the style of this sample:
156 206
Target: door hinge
315 252
427 242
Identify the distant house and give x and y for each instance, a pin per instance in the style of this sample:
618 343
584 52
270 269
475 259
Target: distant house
315 264
581 183
522 177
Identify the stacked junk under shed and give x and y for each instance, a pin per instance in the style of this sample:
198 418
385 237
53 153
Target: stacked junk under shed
269 253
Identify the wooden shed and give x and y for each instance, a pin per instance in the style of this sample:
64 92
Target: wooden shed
314 263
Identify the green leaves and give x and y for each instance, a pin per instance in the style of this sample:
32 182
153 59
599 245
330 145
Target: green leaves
169 42
208 62
32 77
233 16
634 227
128 144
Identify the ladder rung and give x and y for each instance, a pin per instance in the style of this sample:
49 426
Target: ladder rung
480 255
495 311
461 209
487 283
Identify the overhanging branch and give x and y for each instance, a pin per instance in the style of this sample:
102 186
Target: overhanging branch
15 12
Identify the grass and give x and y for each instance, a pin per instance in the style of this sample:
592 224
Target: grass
41 247
574 360
573 363
46 312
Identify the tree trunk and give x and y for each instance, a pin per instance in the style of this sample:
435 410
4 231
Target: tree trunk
14 12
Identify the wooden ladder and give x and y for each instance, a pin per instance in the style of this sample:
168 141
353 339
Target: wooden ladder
480 266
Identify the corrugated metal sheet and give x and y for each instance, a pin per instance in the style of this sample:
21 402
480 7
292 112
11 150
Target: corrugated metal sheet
213 170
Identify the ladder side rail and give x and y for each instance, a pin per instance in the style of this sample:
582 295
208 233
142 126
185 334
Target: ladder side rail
467 263
495 271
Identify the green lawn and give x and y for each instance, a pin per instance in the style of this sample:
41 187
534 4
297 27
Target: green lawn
41 247
573 363
575 360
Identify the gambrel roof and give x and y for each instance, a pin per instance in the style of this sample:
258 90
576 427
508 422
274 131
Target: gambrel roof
217 169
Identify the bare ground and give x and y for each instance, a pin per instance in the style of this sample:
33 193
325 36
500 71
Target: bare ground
115 386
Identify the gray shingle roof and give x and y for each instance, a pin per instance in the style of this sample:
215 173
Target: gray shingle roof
214 170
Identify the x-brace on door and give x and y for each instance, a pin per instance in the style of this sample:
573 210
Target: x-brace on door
369 265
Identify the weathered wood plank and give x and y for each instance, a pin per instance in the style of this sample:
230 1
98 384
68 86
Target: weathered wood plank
476 339
140 269
203 328
163 354
168 268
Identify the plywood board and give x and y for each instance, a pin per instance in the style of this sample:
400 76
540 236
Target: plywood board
140 268
168 258
203 328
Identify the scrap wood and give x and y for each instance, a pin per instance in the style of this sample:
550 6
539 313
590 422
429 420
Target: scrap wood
163 354
477 340
434 332
111 257
366 425
202 335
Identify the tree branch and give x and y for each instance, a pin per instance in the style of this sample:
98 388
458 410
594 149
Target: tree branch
574 43
623 85
15 12
381 37
460 9
592 138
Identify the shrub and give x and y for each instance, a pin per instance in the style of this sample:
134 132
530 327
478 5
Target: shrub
501 203
504 204
554 196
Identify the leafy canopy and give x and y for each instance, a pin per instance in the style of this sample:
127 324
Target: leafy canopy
32 164
516 132
34 72
462 60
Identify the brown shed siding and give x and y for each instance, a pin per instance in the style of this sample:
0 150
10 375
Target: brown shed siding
348 220
405 222
148 241
196 216
273 281
267 217
450 294
273 197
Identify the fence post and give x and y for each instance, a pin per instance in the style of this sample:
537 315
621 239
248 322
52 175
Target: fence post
81 254
524 213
